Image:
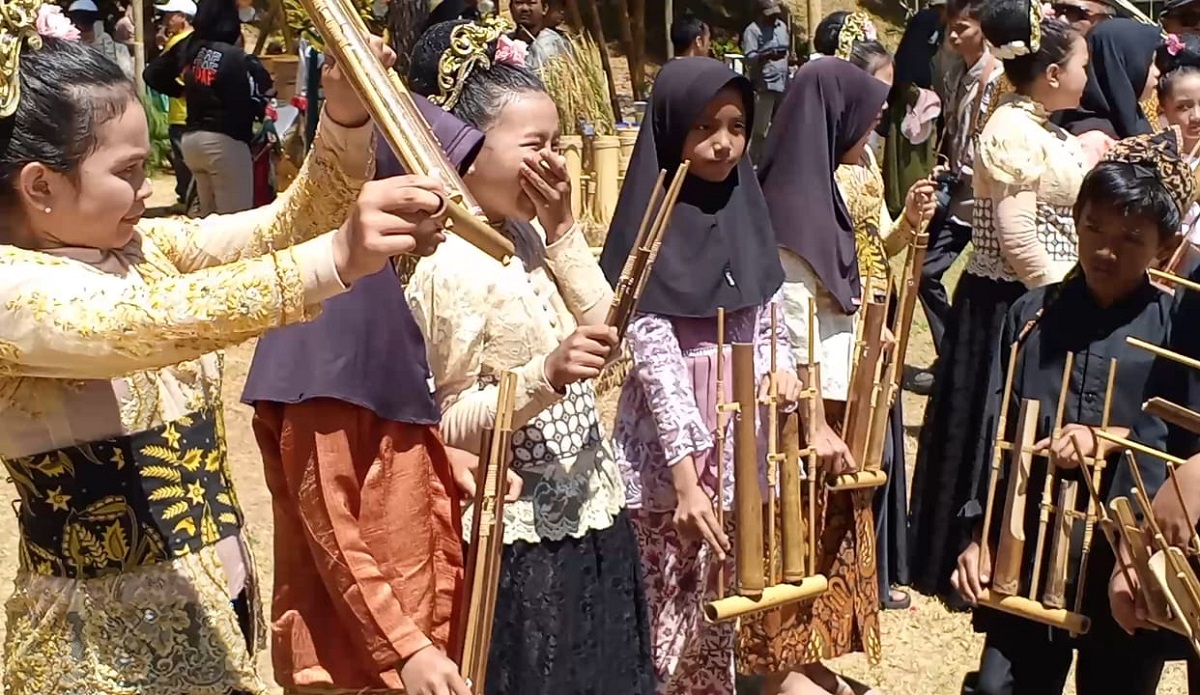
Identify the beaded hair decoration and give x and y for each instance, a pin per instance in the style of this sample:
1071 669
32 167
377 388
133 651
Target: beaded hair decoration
857 27
25 22
1016 49
1161 156
468 50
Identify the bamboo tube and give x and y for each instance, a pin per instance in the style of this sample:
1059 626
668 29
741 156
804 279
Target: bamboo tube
1181 587
723 410
858 480
771 597
792 531
1099 512
1006 579
487 540
1141 448
1095 476
1046 503
748 503
998 451
1173 413
640 262
1184 616
397 117
1171 278
571 147
1164 352
1032 610
773 456
606 162
1137 544
814 421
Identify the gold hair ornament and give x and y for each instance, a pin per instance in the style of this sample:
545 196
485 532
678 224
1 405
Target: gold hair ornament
18 24
468 49
857 27
1016 49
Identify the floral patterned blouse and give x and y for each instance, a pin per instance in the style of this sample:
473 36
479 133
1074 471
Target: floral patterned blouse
481 318
666 415
103 346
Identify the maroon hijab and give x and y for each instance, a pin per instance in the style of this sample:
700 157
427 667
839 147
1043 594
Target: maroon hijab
829 107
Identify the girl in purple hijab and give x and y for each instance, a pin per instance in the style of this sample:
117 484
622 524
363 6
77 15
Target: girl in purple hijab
825 120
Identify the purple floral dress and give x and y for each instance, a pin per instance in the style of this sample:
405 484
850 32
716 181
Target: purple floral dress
666 413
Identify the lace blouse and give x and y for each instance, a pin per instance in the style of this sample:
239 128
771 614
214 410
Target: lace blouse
1027 176
481 318
97 345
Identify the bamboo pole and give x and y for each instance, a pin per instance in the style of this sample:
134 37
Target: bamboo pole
605 58
638 19
574 16
139 46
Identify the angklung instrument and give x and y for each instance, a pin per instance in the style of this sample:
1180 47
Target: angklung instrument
485 552
877 376
640 262
1017 575
782 569
397 117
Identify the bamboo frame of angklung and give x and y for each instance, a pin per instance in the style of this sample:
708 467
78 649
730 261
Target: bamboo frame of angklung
484 554
1049 607
640 262
396 115
867 416
783 570
1168 583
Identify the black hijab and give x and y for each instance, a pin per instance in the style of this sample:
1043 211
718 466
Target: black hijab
365 349
830 106
718 251
1120 53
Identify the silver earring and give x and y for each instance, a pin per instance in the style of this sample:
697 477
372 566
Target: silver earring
47 210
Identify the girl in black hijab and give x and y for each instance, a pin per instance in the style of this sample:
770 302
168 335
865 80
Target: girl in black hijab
719 253
826 119
1121 73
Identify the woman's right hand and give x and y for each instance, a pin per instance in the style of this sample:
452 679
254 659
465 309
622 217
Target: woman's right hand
431 672
832 452
694 516
581 356
391 217
695 519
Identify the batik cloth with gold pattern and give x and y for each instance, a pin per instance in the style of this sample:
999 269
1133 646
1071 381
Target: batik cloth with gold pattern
843 620
1159 155
111 430
876 236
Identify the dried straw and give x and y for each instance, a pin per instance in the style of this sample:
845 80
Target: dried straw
577 82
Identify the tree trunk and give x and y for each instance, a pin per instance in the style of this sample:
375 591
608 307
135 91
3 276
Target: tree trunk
405 20
574 16
633 54
605 58
638 19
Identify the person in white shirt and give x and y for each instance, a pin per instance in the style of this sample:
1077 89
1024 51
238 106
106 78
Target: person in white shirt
85 15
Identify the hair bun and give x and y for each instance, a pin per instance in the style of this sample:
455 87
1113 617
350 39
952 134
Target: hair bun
1008 24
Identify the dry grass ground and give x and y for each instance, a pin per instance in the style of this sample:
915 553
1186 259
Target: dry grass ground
927 649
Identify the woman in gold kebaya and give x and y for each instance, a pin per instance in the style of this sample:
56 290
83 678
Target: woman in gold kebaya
134 575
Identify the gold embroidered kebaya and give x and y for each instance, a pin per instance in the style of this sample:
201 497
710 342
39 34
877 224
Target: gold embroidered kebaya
111 431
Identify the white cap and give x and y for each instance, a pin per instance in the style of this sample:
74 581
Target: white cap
187 7
83 6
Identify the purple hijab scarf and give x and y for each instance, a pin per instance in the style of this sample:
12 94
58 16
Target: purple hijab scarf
830 106
365 348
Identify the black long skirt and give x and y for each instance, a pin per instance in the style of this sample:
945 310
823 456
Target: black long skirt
571 618
953 438
891 509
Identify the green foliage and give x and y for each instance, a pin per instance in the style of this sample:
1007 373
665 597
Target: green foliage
302 26
723 45
160 137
